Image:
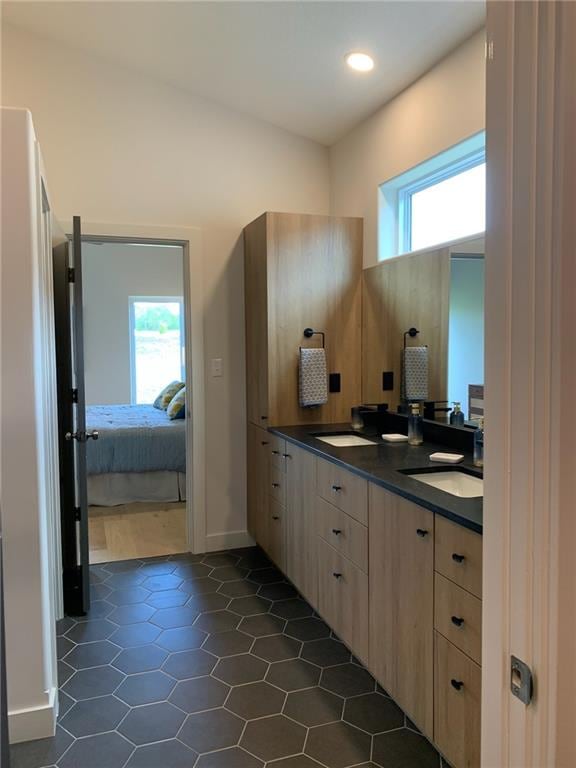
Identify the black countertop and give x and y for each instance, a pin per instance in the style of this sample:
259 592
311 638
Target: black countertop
384 463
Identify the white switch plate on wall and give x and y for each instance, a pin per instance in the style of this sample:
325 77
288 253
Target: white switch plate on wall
216 366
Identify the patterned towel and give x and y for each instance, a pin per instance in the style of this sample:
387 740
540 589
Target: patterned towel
415 373
313 377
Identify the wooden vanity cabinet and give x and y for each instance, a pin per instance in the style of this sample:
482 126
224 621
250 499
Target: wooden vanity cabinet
301 271
301 549
401 580
258 483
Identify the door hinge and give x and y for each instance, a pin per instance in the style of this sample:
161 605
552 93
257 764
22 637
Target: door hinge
71 274
74 395
77 514
521 680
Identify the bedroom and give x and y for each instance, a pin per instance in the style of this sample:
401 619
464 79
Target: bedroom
134 367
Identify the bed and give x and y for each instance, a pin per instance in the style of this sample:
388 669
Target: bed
140 455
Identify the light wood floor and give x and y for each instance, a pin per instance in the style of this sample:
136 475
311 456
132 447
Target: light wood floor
137 530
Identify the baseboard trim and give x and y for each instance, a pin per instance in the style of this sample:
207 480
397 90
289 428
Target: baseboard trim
229 540
36 723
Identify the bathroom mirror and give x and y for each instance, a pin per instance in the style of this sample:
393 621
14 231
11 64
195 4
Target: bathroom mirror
440 292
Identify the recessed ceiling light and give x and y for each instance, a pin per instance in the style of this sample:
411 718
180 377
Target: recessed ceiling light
361 62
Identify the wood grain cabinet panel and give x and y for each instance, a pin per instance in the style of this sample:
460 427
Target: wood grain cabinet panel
256 319
342 532
277 453
343 489
459 555
301 540
343 598
301 271
458 616
278 485
277 534
258 482
457 705
401 556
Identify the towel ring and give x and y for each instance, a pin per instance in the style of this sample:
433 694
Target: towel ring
410 332
309 332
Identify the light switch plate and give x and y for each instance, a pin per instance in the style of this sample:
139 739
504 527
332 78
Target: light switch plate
216 366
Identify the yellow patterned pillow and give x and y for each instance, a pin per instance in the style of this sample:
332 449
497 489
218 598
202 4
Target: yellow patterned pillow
177 407
163 400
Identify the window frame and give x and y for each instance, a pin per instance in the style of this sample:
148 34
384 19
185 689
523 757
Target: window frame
394 195
132 300
449 171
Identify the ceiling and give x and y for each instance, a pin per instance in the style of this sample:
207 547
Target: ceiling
282 62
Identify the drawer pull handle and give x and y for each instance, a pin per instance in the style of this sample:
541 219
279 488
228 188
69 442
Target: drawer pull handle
275 517
421 532
457 621
337 575
276 453
265 442
336 531
286 456
275 485
336 488
457 684
458 558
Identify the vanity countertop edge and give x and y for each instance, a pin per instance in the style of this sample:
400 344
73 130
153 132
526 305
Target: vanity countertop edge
383 464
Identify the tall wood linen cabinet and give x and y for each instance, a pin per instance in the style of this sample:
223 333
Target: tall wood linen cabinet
301 271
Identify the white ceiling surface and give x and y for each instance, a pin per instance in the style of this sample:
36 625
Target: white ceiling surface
282 62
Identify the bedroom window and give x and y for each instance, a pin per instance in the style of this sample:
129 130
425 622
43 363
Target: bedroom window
156 344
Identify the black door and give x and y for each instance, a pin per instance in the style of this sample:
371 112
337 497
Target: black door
72 423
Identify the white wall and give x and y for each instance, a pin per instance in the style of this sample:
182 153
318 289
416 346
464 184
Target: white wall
465 328
122 148
443 107
111 273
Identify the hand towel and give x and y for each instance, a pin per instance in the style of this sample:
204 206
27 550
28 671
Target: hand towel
415 373
313 377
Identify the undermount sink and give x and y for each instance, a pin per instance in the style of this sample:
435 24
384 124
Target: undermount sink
344 440
452 481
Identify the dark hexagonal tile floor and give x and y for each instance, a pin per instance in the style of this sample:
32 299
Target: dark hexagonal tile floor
214 661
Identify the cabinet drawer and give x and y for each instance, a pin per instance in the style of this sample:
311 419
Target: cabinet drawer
458 616
346 491
459 555
277 534
278 453
278 485
343 598
346 535
457 705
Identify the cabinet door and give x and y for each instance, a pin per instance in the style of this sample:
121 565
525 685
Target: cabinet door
301 552
277 534
258 484
457 705
401 552
256 293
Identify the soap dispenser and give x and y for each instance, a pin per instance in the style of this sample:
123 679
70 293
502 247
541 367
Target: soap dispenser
457 417
479 444
415 432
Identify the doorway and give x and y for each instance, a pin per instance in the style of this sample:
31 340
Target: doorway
135 393
176 314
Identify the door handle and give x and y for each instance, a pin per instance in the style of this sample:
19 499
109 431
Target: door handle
82 437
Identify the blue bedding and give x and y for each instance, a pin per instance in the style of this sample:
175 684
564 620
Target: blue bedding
134 438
